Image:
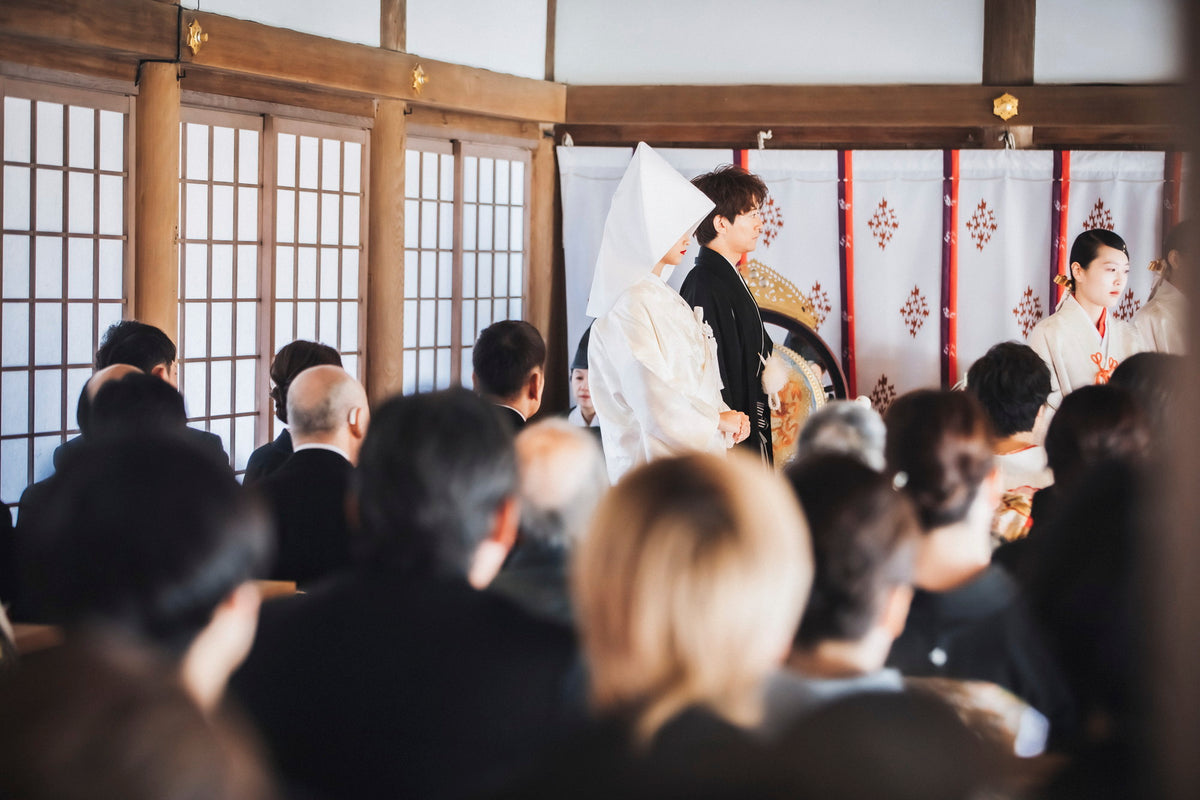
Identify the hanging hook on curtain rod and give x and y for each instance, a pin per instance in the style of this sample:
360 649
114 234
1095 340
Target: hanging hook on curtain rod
762 138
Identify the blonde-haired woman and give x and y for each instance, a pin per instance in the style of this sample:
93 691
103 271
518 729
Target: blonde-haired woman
689 585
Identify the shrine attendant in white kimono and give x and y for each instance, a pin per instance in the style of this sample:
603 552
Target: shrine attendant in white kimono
1082 342
1162 321
652 362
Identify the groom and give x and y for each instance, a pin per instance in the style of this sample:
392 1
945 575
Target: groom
730 231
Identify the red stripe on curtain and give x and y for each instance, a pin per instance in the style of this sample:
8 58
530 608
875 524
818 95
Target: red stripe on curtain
846 250
1058 223
949 268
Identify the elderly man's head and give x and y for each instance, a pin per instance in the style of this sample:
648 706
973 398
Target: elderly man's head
325 405
562 477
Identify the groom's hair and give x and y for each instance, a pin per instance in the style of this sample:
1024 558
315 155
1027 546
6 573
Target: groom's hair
733 190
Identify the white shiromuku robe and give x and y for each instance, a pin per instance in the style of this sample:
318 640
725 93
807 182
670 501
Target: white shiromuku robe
1076 353
1162 322
656 385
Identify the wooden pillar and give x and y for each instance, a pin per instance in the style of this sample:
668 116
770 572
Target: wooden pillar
546 290
393 24
385 253
155 288
1008 27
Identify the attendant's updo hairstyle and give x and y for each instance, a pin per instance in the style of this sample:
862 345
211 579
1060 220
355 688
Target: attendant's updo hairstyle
1086 249
939 450
292 359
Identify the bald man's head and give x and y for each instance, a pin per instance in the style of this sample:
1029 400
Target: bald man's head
326 405
103 376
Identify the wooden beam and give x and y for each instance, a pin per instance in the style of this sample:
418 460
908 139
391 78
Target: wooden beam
551 35
148 30
928 106
393 24
1008 27
743 136
252 49
156 200
384 351
36 54
442 124
287 94
124 26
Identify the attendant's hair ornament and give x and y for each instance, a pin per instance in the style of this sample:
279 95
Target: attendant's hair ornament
1065 281
1158 265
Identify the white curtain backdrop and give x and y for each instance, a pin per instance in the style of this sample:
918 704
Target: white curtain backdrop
897 272
800 231
1121 192
1003 240
1004 247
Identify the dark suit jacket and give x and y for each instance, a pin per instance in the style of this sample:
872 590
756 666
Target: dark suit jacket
204 439
512 417
307 496
405 686
730 310
268 458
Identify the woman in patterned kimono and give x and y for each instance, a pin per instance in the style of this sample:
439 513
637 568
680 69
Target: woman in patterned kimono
1163 320
652 364
1082 342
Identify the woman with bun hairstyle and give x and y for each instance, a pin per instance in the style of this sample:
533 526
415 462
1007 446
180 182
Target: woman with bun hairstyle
967 620
1082 342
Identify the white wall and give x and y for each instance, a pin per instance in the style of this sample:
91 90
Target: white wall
1108 41
769 41
508 36
348 20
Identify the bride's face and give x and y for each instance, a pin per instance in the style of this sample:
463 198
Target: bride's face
677 251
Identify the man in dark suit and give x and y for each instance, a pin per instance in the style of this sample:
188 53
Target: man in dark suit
403 678
729 232
508 362
329 418
148 349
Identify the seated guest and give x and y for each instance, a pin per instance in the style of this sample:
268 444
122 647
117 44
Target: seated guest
1154 380
583 413
150 537
329 418
402 679
967 619
290 361
844 426
864 540
100 718
117 399
689 585
562 479
1012 383
508 361
1093 425
148 349
1088 587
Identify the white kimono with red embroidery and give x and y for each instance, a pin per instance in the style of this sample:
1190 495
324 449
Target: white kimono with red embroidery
1076 352
1162 321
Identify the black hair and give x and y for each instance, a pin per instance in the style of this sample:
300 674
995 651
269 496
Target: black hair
137 344
1154 381
1012 383
942 442
733 190
863 533
1094 424
136 402
433 470
292 359
504 356
146 534
1086 248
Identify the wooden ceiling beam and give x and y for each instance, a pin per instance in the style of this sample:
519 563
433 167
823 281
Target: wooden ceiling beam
928 106
147 30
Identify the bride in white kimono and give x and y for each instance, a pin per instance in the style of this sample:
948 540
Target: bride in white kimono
1163 320
652 362
1082 342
